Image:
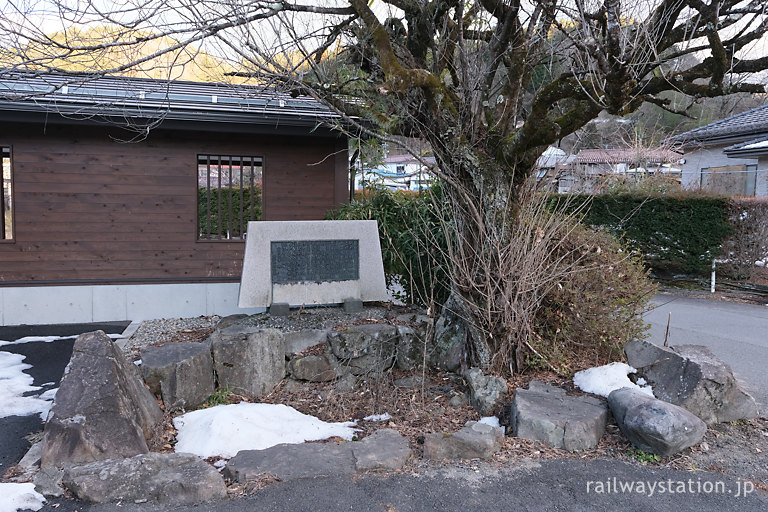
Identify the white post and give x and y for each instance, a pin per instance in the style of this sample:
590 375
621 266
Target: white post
712 285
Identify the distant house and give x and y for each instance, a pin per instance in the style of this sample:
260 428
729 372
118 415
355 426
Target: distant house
592 167
550 167
399 172
714 159
97 227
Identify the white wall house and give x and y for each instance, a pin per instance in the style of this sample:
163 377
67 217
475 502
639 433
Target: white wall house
757 148
399 172
710 164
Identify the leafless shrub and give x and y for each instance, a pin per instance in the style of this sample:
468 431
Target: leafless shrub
748 241
547 291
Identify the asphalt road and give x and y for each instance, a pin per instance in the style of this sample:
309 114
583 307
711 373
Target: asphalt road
48 361
554 485
736 333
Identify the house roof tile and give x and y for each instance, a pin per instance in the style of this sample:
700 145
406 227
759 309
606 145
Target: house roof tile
81 97
748 125
617 156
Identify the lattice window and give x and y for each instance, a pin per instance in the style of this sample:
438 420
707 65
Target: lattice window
229 195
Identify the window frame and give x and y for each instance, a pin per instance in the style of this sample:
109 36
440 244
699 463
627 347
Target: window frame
4 230
242 218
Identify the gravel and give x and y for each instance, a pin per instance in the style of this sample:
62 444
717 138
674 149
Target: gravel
157 332
320 318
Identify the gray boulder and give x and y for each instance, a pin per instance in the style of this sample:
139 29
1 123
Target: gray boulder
311 368
182 373
545 413
365 349
652 425
102 409
474 441
175 478
297 341
486 391
292 461
410 348
692 377
250 362
451 332
384 449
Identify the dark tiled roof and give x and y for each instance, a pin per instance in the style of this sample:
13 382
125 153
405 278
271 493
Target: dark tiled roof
143 97
754 147
618 156
746 125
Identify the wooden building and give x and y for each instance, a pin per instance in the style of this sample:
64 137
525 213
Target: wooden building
127 198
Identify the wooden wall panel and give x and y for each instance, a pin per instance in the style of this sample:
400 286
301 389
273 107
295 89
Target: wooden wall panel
92 210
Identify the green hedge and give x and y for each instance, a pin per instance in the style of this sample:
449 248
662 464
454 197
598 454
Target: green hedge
412 239
204 200
676 233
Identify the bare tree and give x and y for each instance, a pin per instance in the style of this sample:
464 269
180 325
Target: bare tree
489 84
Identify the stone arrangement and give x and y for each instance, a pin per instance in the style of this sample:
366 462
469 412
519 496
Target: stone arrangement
104 422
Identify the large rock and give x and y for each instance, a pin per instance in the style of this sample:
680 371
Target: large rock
474 441
366 348
176 478
297 341
486 391
102 409
292 461
692 377
250 362
545 413
451 333
312 368
182 373
653 425
384 449
412 341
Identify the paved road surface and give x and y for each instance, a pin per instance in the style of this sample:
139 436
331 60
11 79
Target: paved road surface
736 333
555 485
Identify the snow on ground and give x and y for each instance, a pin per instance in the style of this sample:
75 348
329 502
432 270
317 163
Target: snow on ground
378 417
490 420
224 430
602 380
20 497
14 383
47 339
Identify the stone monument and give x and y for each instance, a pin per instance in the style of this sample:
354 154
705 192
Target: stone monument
302 263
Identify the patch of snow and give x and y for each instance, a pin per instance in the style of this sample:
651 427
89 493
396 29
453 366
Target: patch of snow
47 339
20 497
14 383
604 379
50 394
490 420
137 362
757 145
220 464
33 339
378 417
224 430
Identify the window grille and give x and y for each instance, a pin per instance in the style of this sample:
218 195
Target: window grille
229 195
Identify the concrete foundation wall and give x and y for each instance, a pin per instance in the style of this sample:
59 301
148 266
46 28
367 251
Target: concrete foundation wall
75 304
